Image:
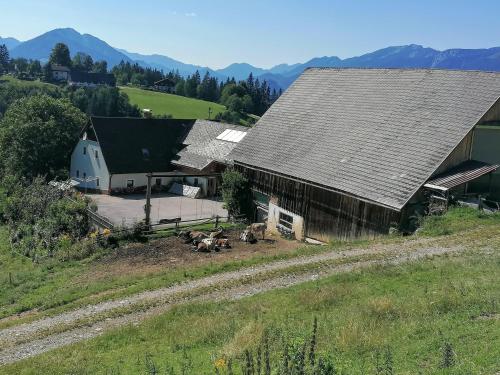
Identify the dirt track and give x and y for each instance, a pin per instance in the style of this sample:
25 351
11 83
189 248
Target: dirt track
37 337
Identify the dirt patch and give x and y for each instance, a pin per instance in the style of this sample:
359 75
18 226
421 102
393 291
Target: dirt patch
159 255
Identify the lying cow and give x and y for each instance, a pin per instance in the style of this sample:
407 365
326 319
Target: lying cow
208 244
247 236
222 243
257 228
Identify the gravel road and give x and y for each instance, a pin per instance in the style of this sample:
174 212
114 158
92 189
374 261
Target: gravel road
30 339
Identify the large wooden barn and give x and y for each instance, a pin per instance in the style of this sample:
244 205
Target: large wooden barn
346 152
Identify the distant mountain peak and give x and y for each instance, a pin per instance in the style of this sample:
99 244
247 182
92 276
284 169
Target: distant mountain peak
279 76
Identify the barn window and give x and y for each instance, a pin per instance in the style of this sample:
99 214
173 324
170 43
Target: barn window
77 174
286 220
195 182
84 150
96 154
130 183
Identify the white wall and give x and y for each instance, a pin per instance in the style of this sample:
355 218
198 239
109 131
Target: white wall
87 164
274 217
119 181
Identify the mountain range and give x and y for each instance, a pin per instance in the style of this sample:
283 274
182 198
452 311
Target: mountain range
279 76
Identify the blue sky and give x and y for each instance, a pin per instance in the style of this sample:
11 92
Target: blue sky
216 33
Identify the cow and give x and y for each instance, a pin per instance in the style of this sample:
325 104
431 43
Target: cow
222 243
258 228
247 236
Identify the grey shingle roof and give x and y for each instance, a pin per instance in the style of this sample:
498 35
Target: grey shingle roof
202 145
378 134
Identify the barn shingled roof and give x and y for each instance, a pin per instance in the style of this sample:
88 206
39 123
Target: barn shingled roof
377 134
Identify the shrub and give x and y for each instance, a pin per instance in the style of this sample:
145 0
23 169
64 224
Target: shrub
236 193
42 220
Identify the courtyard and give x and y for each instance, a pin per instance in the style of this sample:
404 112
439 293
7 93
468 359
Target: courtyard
127 210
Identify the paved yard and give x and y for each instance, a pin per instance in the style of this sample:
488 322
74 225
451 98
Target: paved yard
129 209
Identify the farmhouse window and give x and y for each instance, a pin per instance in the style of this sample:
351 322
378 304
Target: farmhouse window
195 182
84 175
158 182
97 182
96 154
84 150
77 174
130 183
286 220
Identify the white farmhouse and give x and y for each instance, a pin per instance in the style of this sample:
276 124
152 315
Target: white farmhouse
114 155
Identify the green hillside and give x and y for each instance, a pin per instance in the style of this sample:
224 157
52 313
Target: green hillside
175 105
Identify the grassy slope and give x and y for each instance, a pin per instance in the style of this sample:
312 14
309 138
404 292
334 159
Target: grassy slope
412 309
53 286
20 82
175 105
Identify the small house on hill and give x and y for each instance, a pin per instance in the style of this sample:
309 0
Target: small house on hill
78 78
59 72
165 85
348 152
114 155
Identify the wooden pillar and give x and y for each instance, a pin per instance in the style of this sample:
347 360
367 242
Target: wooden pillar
147 208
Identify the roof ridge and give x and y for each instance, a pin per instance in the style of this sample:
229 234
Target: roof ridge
399 69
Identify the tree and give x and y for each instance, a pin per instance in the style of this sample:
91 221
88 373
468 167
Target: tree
47 73
60 55
34 68
100 67
83 62
236 193
4 58
37 136
20 65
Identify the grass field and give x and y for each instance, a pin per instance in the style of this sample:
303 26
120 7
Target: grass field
53 286
175 105
410 310
24 83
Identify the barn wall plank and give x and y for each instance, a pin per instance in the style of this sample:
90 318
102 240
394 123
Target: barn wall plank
327 214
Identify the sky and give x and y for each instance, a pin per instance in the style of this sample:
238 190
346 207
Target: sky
264 33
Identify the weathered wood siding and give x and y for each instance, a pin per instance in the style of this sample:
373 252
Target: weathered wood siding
460 154
493 114
327 214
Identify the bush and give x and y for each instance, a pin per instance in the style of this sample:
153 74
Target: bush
236 193
42 220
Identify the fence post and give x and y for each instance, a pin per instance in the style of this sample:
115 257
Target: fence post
148 201
216 221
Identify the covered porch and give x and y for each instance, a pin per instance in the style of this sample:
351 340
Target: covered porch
453 186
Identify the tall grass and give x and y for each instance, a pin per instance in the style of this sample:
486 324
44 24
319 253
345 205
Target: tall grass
457 219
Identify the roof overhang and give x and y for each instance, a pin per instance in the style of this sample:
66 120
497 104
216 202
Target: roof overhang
461 174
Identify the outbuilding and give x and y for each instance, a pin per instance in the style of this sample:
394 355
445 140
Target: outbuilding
346 153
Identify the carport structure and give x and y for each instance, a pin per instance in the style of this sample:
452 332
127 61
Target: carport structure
150 176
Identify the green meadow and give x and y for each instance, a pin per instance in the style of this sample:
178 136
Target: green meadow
169 104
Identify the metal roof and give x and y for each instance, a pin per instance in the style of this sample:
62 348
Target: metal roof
230 135
377 134
461 174
209 141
